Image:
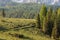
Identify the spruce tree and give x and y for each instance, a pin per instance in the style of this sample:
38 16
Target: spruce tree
55 30
54 14
49 14
49 22
43 12
3 13
58 11
38 21
44 25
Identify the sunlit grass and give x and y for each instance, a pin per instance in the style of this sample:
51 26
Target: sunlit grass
28 32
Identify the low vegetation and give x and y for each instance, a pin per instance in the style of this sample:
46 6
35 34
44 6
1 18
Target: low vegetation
20 29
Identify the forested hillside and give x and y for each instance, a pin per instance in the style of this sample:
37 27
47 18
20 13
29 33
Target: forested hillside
30 22
21 11
28 11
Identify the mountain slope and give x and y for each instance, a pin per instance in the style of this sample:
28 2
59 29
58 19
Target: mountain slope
14 2
4 3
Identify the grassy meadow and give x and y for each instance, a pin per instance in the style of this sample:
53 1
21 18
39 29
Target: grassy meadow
20 29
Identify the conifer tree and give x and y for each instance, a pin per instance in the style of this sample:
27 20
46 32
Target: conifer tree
49 23
43 12
44 25
55 30
38 21
54 14
58 11
3 13
49 14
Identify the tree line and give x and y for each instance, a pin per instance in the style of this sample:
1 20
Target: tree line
27 11
48 20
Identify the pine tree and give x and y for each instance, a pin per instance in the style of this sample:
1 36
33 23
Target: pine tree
3 13
38 21
44 25
58 11
48 22
54 14
55 30
49 14
43 12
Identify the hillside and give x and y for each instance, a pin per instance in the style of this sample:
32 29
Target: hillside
20 29
21 11
16 2
29 21
4 3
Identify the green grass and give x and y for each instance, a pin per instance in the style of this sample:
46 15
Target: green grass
20 29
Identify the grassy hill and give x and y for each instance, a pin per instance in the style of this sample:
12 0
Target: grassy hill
20 29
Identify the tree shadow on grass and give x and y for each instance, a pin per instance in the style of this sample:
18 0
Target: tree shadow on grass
2 39
21 36
24 37
3 29
20 28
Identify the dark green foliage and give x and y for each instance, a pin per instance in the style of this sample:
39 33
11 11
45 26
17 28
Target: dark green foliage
55 30
49 14
42 13
54 14
50 21
49 28
55 33
44 25
3 13
47 22
38 21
